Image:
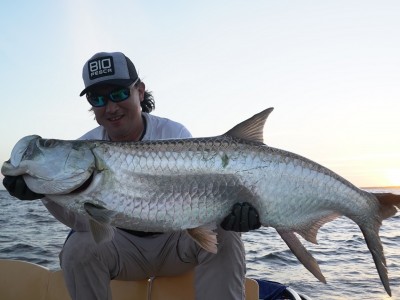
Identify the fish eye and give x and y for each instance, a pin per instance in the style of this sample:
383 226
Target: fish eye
47 143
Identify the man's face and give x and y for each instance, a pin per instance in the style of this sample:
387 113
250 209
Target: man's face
122 120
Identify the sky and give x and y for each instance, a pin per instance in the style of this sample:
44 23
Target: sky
330 69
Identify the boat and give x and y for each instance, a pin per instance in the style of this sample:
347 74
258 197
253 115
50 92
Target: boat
271 290
26 280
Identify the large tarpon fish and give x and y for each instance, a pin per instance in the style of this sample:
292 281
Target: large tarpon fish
188 184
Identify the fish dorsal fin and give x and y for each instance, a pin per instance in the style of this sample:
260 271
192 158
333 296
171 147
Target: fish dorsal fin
252 129
205 237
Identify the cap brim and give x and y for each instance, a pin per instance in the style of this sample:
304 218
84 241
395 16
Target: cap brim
117 82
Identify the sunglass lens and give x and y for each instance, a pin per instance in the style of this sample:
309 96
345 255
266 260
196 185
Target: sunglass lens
96 101
120 95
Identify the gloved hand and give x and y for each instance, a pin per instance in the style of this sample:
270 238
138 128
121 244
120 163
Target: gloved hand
17 187
243 218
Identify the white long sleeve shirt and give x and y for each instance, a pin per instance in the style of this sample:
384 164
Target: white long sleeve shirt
157 128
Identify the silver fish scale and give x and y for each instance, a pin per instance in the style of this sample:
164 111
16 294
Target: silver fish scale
175 184
302 194
159 190
165 185
178 184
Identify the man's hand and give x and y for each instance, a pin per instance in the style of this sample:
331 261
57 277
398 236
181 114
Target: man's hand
17 187
243 218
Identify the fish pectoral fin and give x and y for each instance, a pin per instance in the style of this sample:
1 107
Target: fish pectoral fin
302 254
101 232
99 222
99 213
205 237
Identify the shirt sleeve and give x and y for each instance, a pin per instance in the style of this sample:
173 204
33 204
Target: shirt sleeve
185 133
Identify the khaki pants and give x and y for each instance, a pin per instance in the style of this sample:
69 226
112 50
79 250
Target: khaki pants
88 267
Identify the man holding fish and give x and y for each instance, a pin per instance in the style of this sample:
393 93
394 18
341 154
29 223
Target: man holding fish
121 106
103 182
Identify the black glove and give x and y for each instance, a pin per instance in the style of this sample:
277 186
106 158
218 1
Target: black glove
17 187
243 218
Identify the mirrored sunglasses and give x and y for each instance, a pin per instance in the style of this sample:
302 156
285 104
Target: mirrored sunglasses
101 100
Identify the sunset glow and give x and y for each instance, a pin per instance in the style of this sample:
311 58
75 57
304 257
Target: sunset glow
393 177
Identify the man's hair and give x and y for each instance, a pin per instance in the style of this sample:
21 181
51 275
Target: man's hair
148 103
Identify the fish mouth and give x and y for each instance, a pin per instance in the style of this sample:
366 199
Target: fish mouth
84 185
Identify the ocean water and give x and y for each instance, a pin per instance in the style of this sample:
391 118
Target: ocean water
28 232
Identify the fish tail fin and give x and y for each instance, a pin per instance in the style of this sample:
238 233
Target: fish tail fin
374 244
388 207
388 204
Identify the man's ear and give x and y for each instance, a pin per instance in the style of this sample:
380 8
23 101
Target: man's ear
141 87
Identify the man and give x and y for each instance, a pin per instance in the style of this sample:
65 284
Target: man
121 105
